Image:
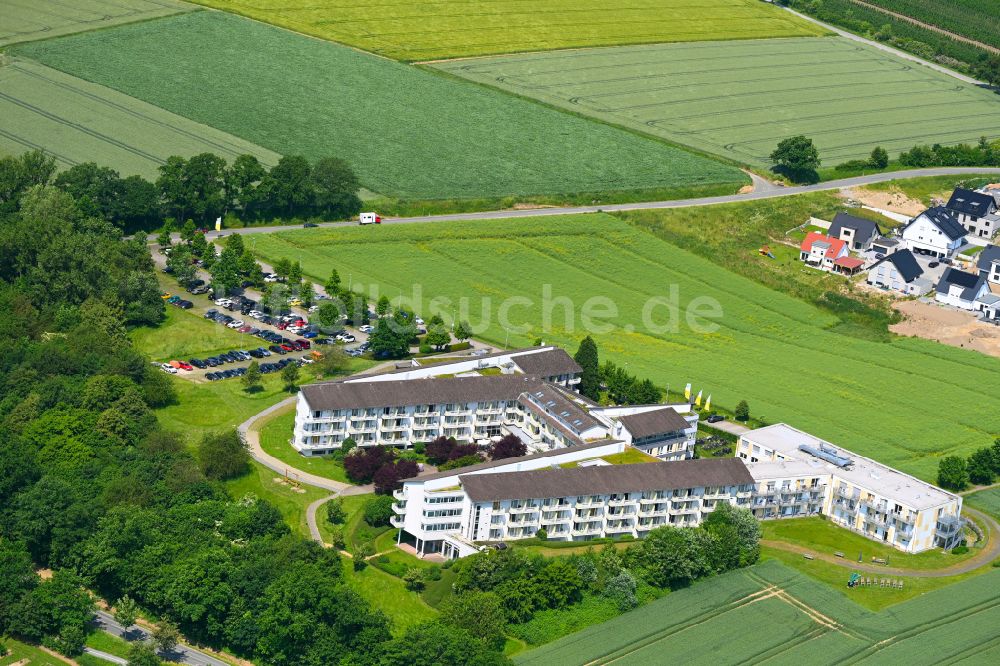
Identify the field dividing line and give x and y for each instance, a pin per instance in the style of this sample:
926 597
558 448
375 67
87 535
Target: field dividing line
662 634
915 631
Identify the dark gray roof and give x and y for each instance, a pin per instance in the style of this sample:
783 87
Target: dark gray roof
989 255
547 400
654 422
905 263
970 283
886 242
510 461
970 202
946 220
864 228
548 363
605 479
431 391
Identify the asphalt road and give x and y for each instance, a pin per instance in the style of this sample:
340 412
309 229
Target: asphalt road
760 192
181 654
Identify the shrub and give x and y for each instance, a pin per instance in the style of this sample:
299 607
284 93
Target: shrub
960 550
425 348
464 461
337 538
335 511
742 411
542 534
414 579
361 553
378 510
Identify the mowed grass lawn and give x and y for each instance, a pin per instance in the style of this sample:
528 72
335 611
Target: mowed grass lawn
77 121
739 99
43 19
882 399
274 439
183 335
408 133
736 618
431 29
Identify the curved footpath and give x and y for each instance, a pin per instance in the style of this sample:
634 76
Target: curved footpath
982 558
251 436
760 192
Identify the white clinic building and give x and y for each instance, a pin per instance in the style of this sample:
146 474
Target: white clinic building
797 474
450 513
532 396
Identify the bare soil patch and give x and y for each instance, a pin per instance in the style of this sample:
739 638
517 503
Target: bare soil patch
947 326
893 200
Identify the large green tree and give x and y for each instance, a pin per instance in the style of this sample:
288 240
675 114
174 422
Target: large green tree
590 376
797 157
223 455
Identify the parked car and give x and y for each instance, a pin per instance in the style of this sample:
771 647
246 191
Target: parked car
277 349
715 418
349 338
309 334
322 341
933 264
185 366
236 323
223 302
168 368
367 328
310 225
185 305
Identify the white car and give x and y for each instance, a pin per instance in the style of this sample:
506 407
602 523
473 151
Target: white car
419 321
223 302
236 324
256 314
271 278
367 328
314 308
348 338
168 368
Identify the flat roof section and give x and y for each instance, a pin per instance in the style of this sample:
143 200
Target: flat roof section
863 472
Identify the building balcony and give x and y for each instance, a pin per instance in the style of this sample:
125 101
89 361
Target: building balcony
620 502
396 521
522 509
586 531
622 527
653 500
556 515
399 508
654 512
399 494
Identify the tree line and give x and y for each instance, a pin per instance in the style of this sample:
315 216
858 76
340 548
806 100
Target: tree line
982 468
498 592
798 158
93 488
200 188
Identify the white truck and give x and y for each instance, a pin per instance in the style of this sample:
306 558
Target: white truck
370 218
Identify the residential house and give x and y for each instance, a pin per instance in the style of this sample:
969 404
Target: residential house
936 232
977 211
901 273
961 289
857 232
886 246
989 305
988 263
827 253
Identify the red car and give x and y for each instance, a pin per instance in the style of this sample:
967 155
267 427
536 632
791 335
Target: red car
184 366
282 326
301 322
297 344
303 344
288 348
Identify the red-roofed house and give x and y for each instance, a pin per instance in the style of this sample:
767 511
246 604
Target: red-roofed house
822 252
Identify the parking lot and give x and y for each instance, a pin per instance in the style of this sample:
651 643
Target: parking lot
272 340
